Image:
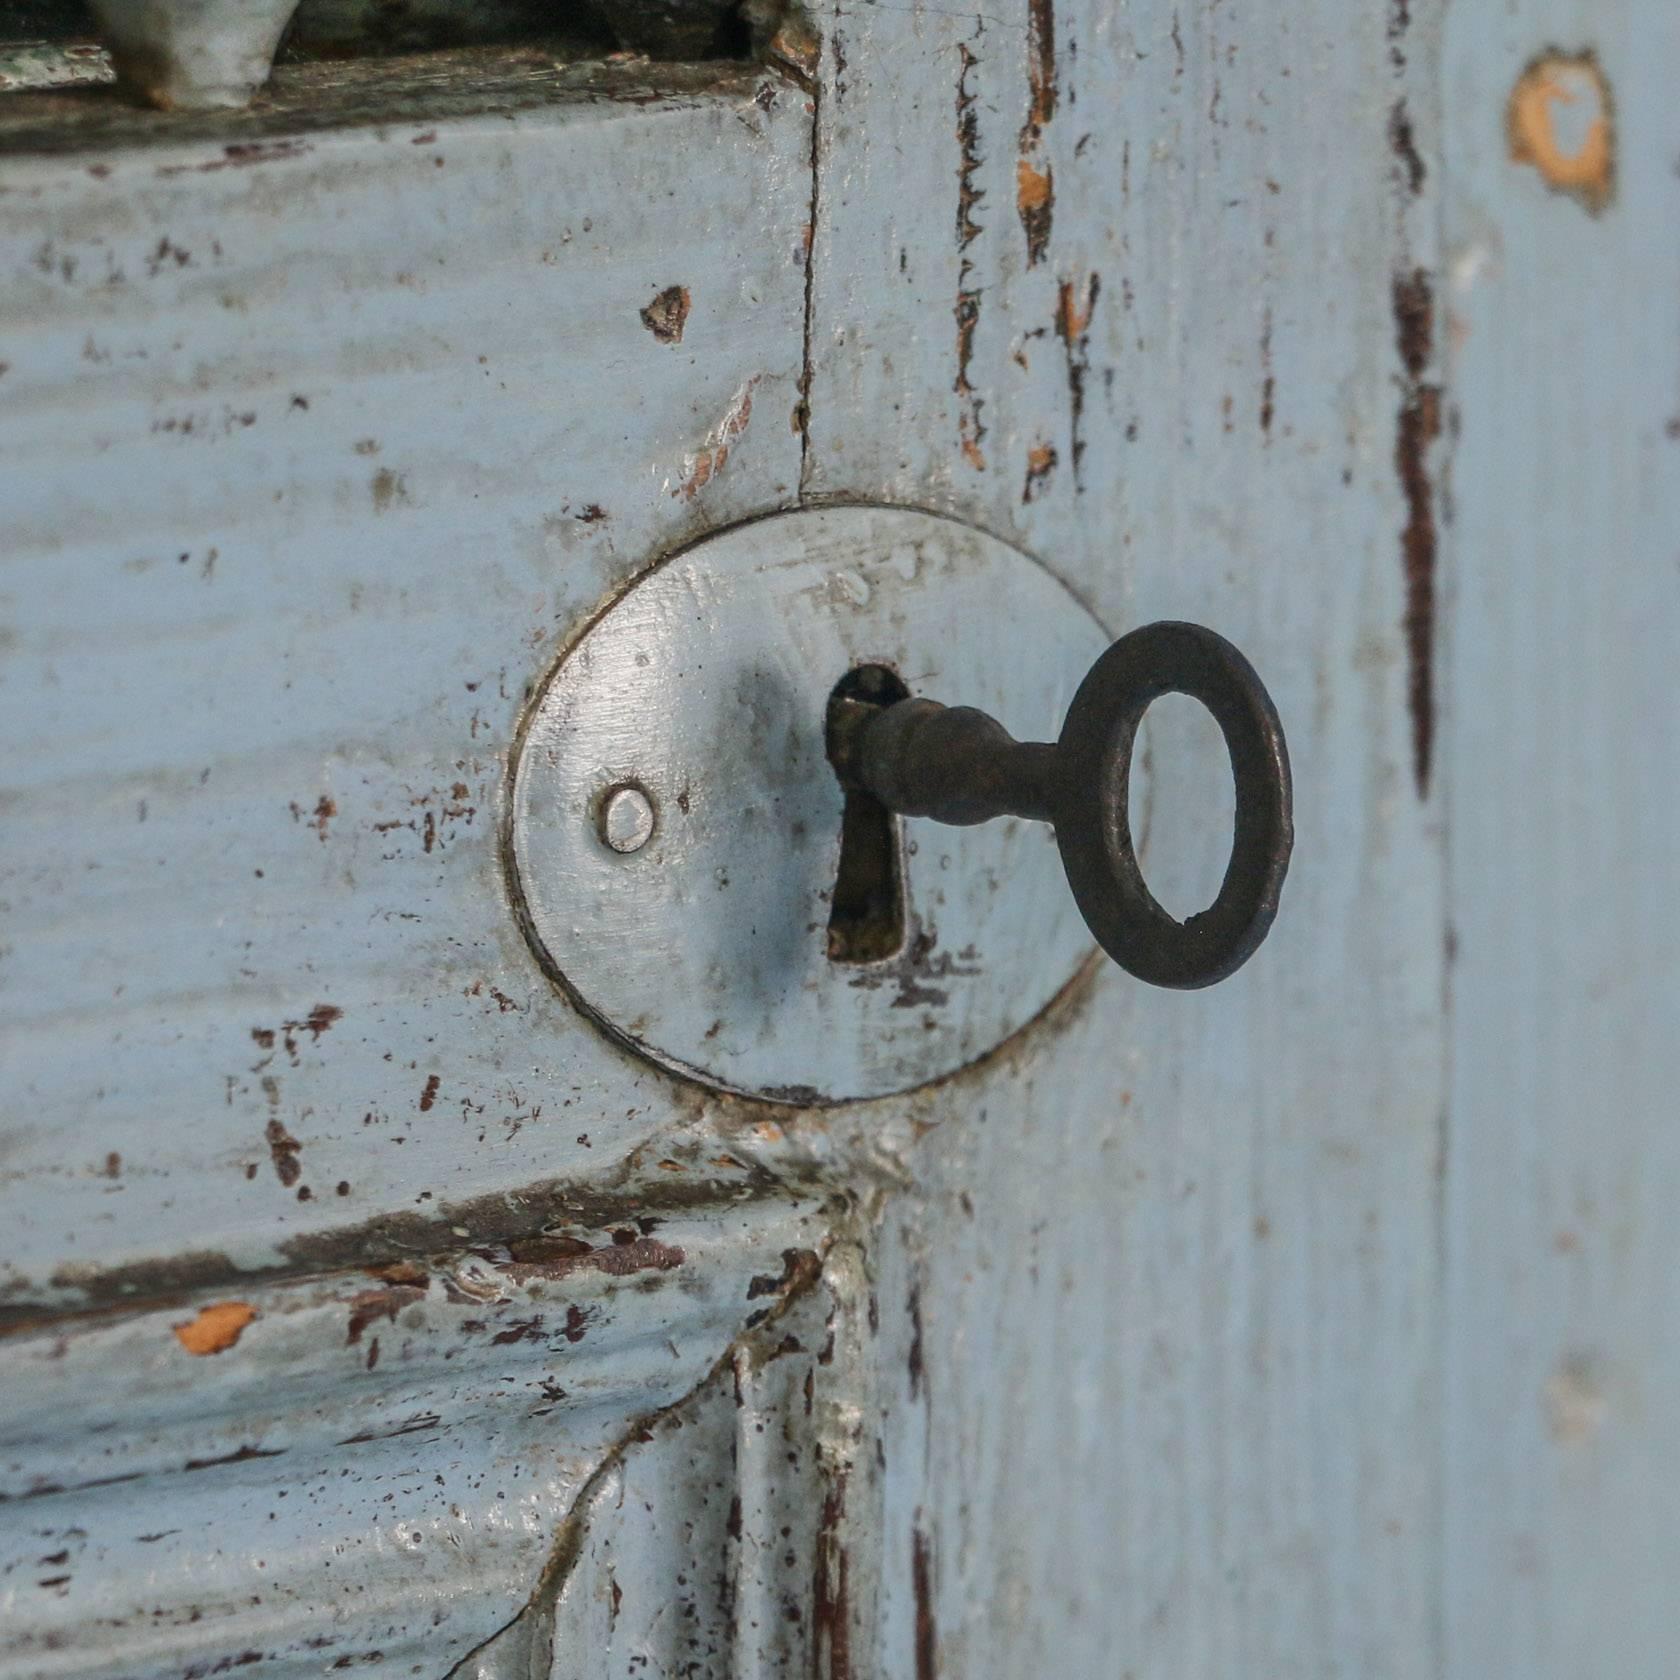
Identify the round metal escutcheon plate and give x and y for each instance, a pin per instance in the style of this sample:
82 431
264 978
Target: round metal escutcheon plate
696 929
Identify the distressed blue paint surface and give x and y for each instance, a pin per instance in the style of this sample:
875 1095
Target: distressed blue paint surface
1563 1310
1318 1325
309 472
1179 1308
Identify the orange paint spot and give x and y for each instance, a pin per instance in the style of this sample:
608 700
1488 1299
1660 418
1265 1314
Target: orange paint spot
216 1328
1032 187
1041 462
1561 121
1035 203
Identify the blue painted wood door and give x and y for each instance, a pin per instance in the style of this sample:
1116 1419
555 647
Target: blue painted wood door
368 1310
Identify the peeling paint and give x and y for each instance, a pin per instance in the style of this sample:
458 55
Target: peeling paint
1035 193
1075 305
1035 201
700 468
1041 462
215 1328
1560 121
283 1151
667 315
970 428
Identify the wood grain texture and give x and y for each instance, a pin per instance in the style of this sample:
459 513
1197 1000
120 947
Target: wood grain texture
318 448
1562 1358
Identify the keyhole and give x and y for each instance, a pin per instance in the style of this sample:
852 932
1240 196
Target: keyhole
866 913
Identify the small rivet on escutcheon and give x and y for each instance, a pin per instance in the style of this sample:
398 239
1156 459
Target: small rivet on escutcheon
625 818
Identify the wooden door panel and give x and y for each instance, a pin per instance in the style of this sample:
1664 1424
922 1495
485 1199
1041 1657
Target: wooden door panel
367 1308
320 446
1178 1292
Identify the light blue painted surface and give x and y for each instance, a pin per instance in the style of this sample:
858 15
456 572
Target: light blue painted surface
1563 1168
372 1475
1180 1295
309 472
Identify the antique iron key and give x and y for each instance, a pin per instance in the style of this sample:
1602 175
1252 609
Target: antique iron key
958 765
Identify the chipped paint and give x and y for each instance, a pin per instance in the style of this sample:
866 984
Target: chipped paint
215 1328
466 1393
1041 462
283 1149
559 1256
1560 121
368 1306
1035 202
704 464
971 429
831 1614
387 488
667 315
1075 305
1035 193
1402 143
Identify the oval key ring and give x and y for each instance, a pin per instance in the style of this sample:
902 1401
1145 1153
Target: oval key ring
1092 799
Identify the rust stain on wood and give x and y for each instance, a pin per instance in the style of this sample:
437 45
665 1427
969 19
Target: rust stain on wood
1560 120
1417 428
216 1328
